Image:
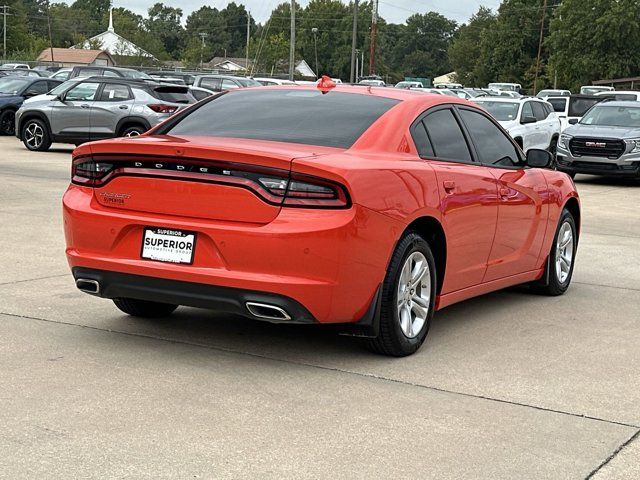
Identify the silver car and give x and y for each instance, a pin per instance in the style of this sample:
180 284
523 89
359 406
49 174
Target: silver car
606 141
95 108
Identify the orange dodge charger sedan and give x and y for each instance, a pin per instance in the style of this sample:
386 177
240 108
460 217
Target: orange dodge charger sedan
362 206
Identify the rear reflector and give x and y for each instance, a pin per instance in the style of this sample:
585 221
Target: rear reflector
274 186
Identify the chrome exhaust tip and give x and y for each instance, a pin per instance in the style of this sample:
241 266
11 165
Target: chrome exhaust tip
87 285
267 312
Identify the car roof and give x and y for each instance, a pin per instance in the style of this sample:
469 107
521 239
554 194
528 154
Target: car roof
215 75
508 99
620 103
617 92
404 95
29 79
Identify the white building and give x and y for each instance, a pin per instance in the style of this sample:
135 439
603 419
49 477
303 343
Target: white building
113 43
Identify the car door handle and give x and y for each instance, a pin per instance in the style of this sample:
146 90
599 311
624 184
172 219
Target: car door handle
84 105
449 186
123 107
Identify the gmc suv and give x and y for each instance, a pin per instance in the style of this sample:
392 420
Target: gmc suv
606 141
95 108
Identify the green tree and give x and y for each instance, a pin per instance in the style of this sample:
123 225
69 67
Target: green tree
594 40
211 22
466 52
235 21
164 23
422 47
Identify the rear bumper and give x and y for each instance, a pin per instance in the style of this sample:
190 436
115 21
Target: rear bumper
211 297
330 263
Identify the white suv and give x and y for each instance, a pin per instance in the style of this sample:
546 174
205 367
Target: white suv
530 121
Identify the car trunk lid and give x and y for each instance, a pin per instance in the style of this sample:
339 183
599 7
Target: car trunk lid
202 177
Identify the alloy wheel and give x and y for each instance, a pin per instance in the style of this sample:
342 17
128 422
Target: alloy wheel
132 132
564 252
34 135
414 294
8 124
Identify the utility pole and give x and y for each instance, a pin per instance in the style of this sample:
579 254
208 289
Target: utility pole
357 65
246 61
202 36
4 32
544 14
49 27
353 42
372 45
314 30
292 46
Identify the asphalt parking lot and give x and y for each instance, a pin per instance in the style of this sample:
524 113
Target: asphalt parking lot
509 385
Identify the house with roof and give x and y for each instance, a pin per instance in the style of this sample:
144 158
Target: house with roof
228 64
114 44
68 57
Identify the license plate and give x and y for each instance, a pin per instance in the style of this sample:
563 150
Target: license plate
166 245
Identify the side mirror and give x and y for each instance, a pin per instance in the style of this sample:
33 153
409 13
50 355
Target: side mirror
537 158
573 121
526 120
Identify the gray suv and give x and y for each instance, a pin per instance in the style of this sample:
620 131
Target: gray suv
95 108
606 141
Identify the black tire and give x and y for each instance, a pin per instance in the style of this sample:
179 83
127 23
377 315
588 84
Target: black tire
553 148
132 131
391 339
550 284
8 122
35 135
144 308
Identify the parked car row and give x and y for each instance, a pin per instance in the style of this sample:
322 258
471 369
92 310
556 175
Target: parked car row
531 122
95 108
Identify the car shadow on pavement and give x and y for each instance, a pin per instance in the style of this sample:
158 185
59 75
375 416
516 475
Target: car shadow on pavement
607 181
239 334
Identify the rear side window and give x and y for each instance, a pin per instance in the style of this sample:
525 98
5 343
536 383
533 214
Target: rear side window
335 119
229 84
89 72
446 137
113 92
579 106
210 83
421 139
200 95
492 146
558 104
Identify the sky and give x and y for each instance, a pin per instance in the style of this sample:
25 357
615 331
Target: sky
393 11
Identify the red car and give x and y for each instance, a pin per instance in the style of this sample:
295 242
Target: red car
367 207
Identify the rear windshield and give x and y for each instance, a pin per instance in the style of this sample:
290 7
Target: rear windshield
558 104
579 106
622 97
174 94
335 119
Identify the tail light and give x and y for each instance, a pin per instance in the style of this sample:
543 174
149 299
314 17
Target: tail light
162 108
306 191
85 171
274 186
